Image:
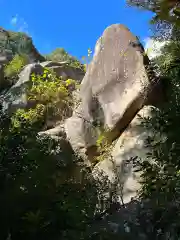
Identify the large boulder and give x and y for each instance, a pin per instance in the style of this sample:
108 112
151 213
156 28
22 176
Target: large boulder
114 88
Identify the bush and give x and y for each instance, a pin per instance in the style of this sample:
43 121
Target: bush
13 68
161 179
35 201
54 94
60 55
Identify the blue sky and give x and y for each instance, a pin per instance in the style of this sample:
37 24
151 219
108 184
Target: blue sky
73 25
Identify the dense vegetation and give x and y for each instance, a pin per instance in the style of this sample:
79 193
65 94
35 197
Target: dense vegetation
35 201
18 43
161 179
166 10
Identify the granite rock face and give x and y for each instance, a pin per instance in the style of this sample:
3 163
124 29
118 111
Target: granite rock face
122 165
114 88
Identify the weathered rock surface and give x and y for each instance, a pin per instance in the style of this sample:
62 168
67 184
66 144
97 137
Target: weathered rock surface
115 86
16 97
2 59
63 70
80 133
5 57
120 169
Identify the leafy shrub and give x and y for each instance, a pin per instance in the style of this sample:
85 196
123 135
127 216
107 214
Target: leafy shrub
32 116
161 179
15 66
53 93
60 55
35 203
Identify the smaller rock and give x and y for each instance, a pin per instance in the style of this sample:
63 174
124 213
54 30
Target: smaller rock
16 97
55 133
120 168
62 69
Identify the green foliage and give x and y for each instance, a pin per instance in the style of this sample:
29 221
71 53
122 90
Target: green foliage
166 10
60 55
18 43
87 59
171 59
105 147
15 42
31 116
161 179
160 169
39 198
13 68
53 93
